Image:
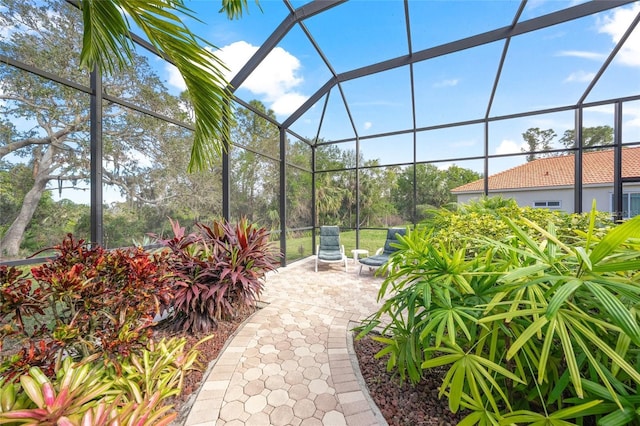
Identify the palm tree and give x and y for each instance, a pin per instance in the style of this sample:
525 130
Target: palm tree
107 45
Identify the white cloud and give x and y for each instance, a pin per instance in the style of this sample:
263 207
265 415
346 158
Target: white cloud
509 147
580 77
174 77
287 103
234 56
582 54
367 125
447 83
615 25
273 82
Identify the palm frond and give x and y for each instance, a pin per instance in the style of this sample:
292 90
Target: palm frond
107 44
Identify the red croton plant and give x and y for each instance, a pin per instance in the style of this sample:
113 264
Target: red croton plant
85 301
88 312
218 270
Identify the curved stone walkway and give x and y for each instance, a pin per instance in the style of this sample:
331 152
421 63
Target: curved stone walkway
291 362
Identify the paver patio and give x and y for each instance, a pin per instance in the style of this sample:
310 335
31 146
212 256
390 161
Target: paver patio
292 362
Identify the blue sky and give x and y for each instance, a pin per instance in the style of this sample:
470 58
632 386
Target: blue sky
547 68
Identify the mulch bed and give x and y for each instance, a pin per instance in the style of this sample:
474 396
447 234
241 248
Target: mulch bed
402 403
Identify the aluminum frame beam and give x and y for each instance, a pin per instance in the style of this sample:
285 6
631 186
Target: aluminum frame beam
569 14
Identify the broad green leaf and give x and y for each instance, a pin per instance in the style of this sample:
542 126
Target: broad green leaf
510 315
525 337
561 385
456 386
618 311
574 412
561 295
620 417
547 234
627 265
584 257
556 418
441 360
614 238
521 417
622 347
526 239
497 368
476 376
569 356
472 419
592 223
483 376
595 365
608 351
527 271
596 390
546 350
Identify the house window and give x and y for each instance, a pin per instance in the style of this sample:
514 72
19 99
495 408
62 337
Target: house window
630 204
547 204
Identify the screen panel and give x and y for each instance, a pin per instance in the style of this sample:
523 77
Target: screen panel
44 176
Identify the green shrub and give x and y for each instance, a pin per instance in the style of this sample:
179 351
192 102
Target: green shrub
90 393
535 324
217 271
462 225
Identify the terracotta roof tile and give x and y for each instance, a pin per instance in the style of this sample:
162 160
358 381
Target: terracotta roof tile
597 168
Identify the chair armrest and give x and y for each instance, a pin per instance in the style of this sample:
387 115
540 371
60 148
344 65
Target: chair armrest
342 249
379 251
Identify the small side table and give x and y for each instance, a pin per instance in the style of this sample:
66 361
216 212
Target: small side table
357 252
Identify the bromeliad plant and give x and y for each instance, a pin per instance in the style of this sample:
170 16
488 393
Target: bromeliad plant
533 329
92 394
217 271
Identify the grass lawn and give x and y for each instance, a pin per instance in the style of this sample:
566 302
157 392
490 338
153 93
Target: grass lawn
370 239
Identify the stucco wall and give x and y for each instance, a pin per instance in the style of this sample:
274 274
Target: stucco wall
602 195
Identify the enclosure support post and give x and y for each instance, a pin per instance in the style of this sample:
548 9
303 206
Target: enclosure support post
226 171
357 192
283 196
577 179
314 211
97 231
617 163
485 189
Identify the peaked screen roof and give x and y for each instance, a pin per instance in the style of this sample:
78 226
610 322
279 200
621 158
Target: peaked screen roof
483 66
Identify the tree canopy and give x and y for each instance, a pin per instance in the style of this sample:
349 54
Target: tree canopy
538 142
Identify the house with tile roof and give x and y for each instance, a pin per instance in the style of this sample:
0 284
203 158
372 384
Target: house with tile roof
549 182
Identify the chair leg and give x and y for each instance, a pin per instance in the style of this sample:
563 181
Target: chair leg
316 263
345 264
360 271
